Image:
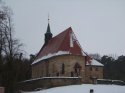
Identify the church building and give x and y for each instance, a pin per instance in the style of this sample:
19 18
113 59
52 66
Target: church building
62 56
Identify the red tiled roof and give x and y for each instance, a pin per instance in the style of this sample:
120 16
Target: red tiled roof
61 42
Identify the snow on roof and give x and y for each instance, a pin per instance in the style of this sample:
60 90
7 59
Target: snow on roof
51 55
93 62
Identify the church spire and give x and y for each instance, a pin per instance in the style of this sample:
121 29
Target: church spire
48 34
48 27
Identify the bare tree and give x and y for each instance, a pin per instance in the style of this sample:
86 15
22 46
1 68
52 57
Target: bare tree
95 56
9 49
9 45
2 18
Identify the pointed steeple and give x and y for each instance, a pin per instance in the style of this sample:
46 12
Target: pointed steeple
48 34
48 29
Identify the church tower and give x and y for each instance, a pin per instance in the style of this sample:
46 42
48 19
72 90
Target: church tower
48 34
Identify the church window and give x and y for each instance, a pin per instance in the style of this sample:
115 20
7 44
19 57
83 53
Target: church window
90 77
90 68
72 74
77 68
53 68
57 74
48 75
97 76
63 68
96 69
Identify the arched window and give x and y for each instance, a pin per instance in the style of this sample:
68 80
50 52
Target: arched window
57 74
96 69
63 68
72 74
90 68
77 69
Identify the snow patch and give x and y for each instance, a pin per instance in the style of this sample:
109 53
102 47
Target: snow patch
51 55
71 40
84 88
94 63
62 77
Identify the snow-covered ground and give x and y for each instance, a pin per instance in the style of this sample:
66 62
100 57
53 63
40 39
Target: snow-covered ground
84 88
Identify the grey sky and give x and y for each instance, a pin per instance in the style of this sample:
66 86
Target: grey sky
99 25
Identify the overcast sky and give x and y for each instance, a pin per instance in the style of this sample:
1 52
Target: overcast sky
99 25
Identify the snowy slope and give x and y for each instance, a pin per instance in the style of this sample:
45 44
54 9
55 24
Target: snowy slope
84 88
